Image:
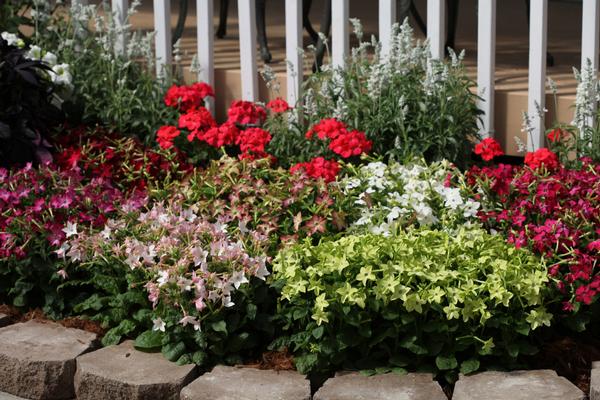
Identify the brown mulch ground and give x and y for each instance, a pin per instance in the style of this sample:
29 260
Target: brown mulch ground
570 357
37 314
276 360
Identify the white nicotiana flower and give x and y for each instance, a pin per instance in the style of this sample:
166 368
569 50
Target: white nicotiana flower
12 39
34 53
50 59
70 229
158 325
163 278
61 75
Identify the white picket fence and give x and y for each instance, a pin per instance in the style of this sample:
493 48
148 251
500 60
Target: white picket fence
387 9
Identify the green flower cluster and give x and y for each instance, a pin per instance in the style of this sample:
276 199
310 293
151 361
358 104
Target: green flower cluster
407 299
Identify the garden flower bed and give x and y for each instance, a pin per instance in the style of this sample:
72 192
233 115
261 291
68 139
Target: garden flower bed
365 228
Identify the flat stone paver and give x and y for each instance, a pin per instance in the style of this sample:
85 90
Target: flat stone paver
4 320
516 385
124 373
8 396
355 386
595 381
37 359
229 383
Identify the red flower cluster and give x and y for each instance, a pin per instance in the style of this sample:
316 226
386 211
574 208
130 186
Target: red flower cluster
556 135
123 160
166 135
186 98
556 213
343 142
252 142
245 113
488 148
329 128
224 135
543 156
349 144
278 105
196 121
318 168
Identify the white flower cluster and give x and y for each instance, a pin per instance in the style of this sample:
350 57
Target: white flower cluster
59 74
395 195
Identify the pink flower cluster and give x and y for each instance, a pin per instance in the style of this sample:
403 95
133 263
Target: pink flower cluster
555 211
36 203
191 261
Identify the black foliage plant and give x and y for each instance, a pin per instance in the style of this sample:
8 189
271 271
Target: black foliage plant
28 108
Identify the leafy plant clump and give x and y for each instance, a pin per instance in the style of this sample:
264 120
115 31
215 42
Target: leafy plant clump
422 299
408 104
114 81
29 101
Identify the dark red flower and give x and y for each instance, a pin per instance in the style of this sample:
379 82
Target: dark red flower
488 148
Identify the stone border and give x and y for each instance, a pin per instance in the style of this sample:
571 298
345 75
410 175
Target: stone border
595 381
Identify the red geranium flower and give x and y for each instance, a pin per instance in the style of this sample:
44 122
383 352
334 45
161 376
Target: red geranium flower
223 135
555 135
165 136
278 105
318 168
197 121
252 141
187 97
245 113
329 128
350 144
541 157
488 148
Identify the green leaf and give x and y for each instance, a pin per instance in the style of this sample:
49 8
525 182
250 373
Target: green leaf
469 366
149 340
368 372
446 362
318 332
199 358
173 351
220 326
399 371
306 363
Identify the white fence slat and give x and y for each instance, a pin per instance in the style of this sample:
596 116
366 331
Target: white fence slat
486 63
387 19
340 45
119 9
205 40
293 41
590 40
436 27
537 71
162 41
249 70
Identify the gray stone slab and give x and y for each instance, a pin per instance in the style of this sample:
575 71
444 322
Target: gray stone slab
124 373
516 385
37 359
595 384
228 383
355 386
4 320
8 396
